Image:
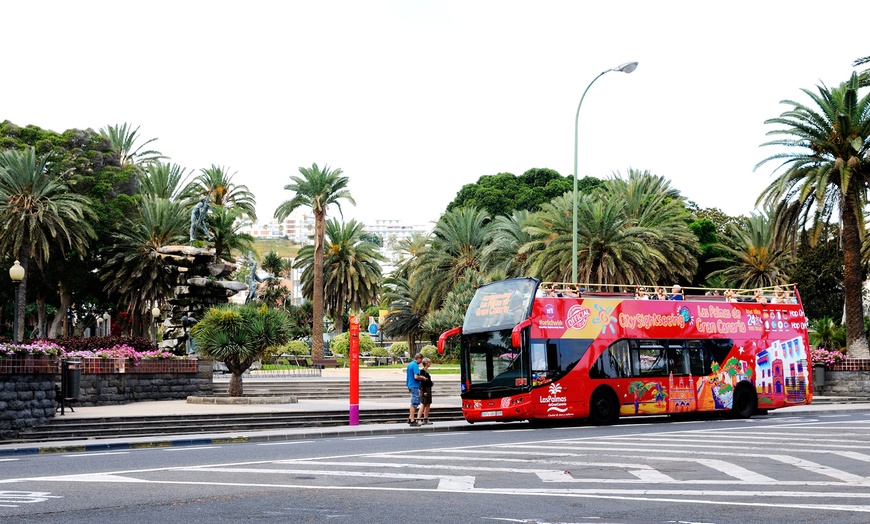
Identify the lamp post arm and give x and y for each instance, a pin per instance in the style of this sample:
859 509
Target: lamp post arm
576 129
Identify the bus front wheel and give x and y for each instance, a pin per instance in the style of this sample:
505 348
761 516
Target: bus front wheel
745 402
603 408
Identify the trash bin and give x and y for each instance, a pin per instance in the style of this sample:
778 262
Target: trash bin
71 379
818 376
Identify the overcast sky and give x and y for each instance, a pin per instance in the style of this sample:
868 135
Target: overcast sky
414 99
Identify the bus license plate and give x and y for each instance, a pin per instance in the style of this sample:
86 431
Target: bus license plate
490 413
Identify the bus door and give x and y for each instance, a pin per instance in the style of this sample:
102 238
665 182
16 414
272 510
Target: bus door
556 391
681 386
647 391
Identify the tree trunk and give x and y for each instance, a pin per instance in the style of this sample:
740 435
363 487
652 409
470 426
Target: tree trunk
20 305
317 292
853 285
40 317
59 317
235 387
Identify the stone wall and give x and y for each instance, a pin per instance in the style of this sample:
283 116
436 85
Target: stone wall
26 401
27 386
100 389
850 378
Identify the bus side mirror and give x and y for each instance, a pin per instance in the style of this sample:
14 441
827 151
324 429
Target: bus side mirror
444 336
516 341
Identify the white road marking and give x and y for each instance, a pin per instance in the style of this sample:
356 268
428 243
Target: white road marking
285 443
96 454
371 438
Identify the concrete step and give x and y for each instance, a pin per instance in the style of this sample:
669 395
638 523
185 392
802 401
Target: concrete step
329 389
96 428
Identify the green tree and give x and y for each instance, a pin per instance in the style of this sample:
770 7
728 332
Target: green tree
863 76
318 189
457 246
818 273
351 270
123 139
226 224
754 256
239 335
505 193
164 180
273 291
508 245
217 184
406 314
38 213
133 272
827 168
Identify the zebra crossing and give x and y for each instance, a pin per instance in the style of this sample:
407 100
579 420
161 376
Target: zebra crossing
808 464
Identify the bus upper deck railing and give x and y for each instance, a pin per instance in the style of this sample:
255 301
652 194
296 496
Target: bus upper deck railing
780 294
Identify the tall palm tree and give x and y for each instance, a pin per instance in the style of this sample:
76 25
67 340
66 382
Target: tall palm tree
406 315
827 169
755 258
133 271
38 213
318 189
273 292
351 270
165 180
612 249
457 246
217 184
504 249
652 204
123 139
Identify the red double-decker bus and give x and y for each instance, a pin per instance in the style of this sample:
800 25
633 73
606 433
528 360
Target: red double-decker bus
601 354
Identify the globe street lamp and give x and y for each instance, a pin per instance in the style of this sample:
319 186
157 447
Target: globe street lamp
627 67
16 273
155 313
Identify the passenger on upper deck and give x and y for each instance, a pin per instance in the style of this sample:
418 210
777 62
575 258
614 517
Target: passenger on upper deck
660 294
640 294
729 296
778 295
759 296
676 293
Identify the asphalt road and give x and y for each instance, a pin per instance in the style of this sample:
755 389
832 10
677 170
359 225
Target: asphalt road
786 469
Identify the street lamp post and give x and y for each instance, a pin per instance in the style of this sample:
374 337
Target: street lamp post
16 273
627 67
155 313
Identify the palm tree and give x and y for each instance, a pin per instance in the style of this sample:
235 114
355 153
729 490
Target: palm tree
38 213
239 335
863 76
406 315
225 224
827 168
351 270
134 271
506 248
652 204
165 180
457 246
123 139
318 189
217 184
273 292
755 258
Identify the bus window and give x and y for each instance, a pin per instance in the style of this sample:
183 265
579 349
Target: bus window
553 358
649 358
613 363
678 359
539 356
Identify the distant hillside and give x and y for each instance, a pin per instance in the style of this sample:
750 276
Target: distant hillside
282 246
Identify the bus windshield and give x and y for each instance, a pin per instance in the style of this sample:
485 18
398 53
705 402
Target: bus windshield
491 363
500 305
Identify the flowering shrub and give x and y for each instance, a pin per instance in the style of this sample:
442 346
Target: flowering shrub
47 348
826 357
123 351
36 348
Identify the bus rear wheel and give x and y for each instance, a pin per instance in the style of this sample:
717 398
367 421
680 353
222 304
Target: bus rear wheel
604 408
745 402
